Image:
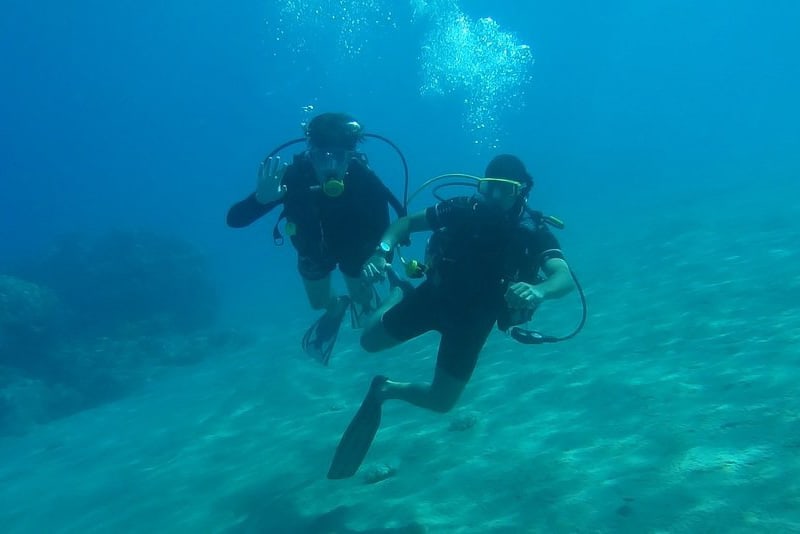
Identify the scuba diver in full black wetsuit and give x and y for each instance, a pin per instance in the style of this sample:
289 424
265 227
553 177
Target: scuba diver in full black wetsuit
336 210
486 254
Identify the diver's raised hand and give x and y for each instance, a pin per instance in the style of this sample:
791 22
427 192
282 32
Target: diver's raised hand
270 176
375 268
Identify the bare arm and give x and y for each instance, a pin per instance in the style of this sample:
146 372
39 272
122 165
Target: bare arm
398 232
559 279
401 229
557 284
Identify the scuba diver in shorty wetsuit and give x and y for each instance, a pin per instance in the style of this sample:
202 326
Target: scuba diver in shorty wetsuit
485 256
336 209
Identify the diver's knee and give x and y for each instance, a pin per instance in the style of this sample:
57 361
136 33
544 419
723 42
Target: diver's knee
369 341
444 404
375 337
369 344
445 391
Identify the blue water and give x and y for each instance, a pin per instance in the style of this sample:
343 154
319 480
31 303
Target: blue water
665 134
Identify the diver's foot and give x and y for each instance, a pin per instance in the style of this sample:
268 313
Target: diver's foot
377 388
319 340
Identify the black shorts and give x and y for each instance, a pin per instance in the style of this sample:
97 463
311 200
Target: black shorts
464 324
315 261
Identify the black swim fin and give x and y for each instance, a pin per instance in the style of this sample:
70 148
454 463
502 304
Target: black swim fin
320 338
360 312
357 439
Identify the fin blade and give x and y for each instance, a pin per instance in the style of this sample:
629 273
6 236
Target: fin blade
320 338
358 437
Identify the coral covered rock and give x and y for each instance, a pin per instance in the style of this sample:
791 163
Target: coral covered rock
130 280
30 320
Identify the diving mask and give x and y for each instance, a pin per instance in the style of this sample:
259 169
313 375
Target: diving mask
499 188
331 167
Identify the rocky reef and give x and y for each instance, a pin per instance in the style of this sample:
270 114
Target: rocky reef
90 320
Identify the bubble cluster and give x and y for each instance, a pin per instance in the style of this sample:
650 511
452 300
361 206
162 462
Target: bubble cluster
344 24
480 63
471 59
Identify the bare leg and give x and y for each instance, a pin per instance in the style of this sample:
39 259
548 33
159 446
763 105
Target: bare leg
362 295
439 396
458 354
375 338
319 292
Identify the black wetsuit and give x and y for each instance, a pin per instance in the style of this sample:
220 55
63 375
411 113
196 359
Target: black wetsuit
328 231
475 259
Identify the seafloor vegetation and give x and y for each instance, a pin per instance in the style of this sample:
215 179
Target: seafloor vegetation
91 319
